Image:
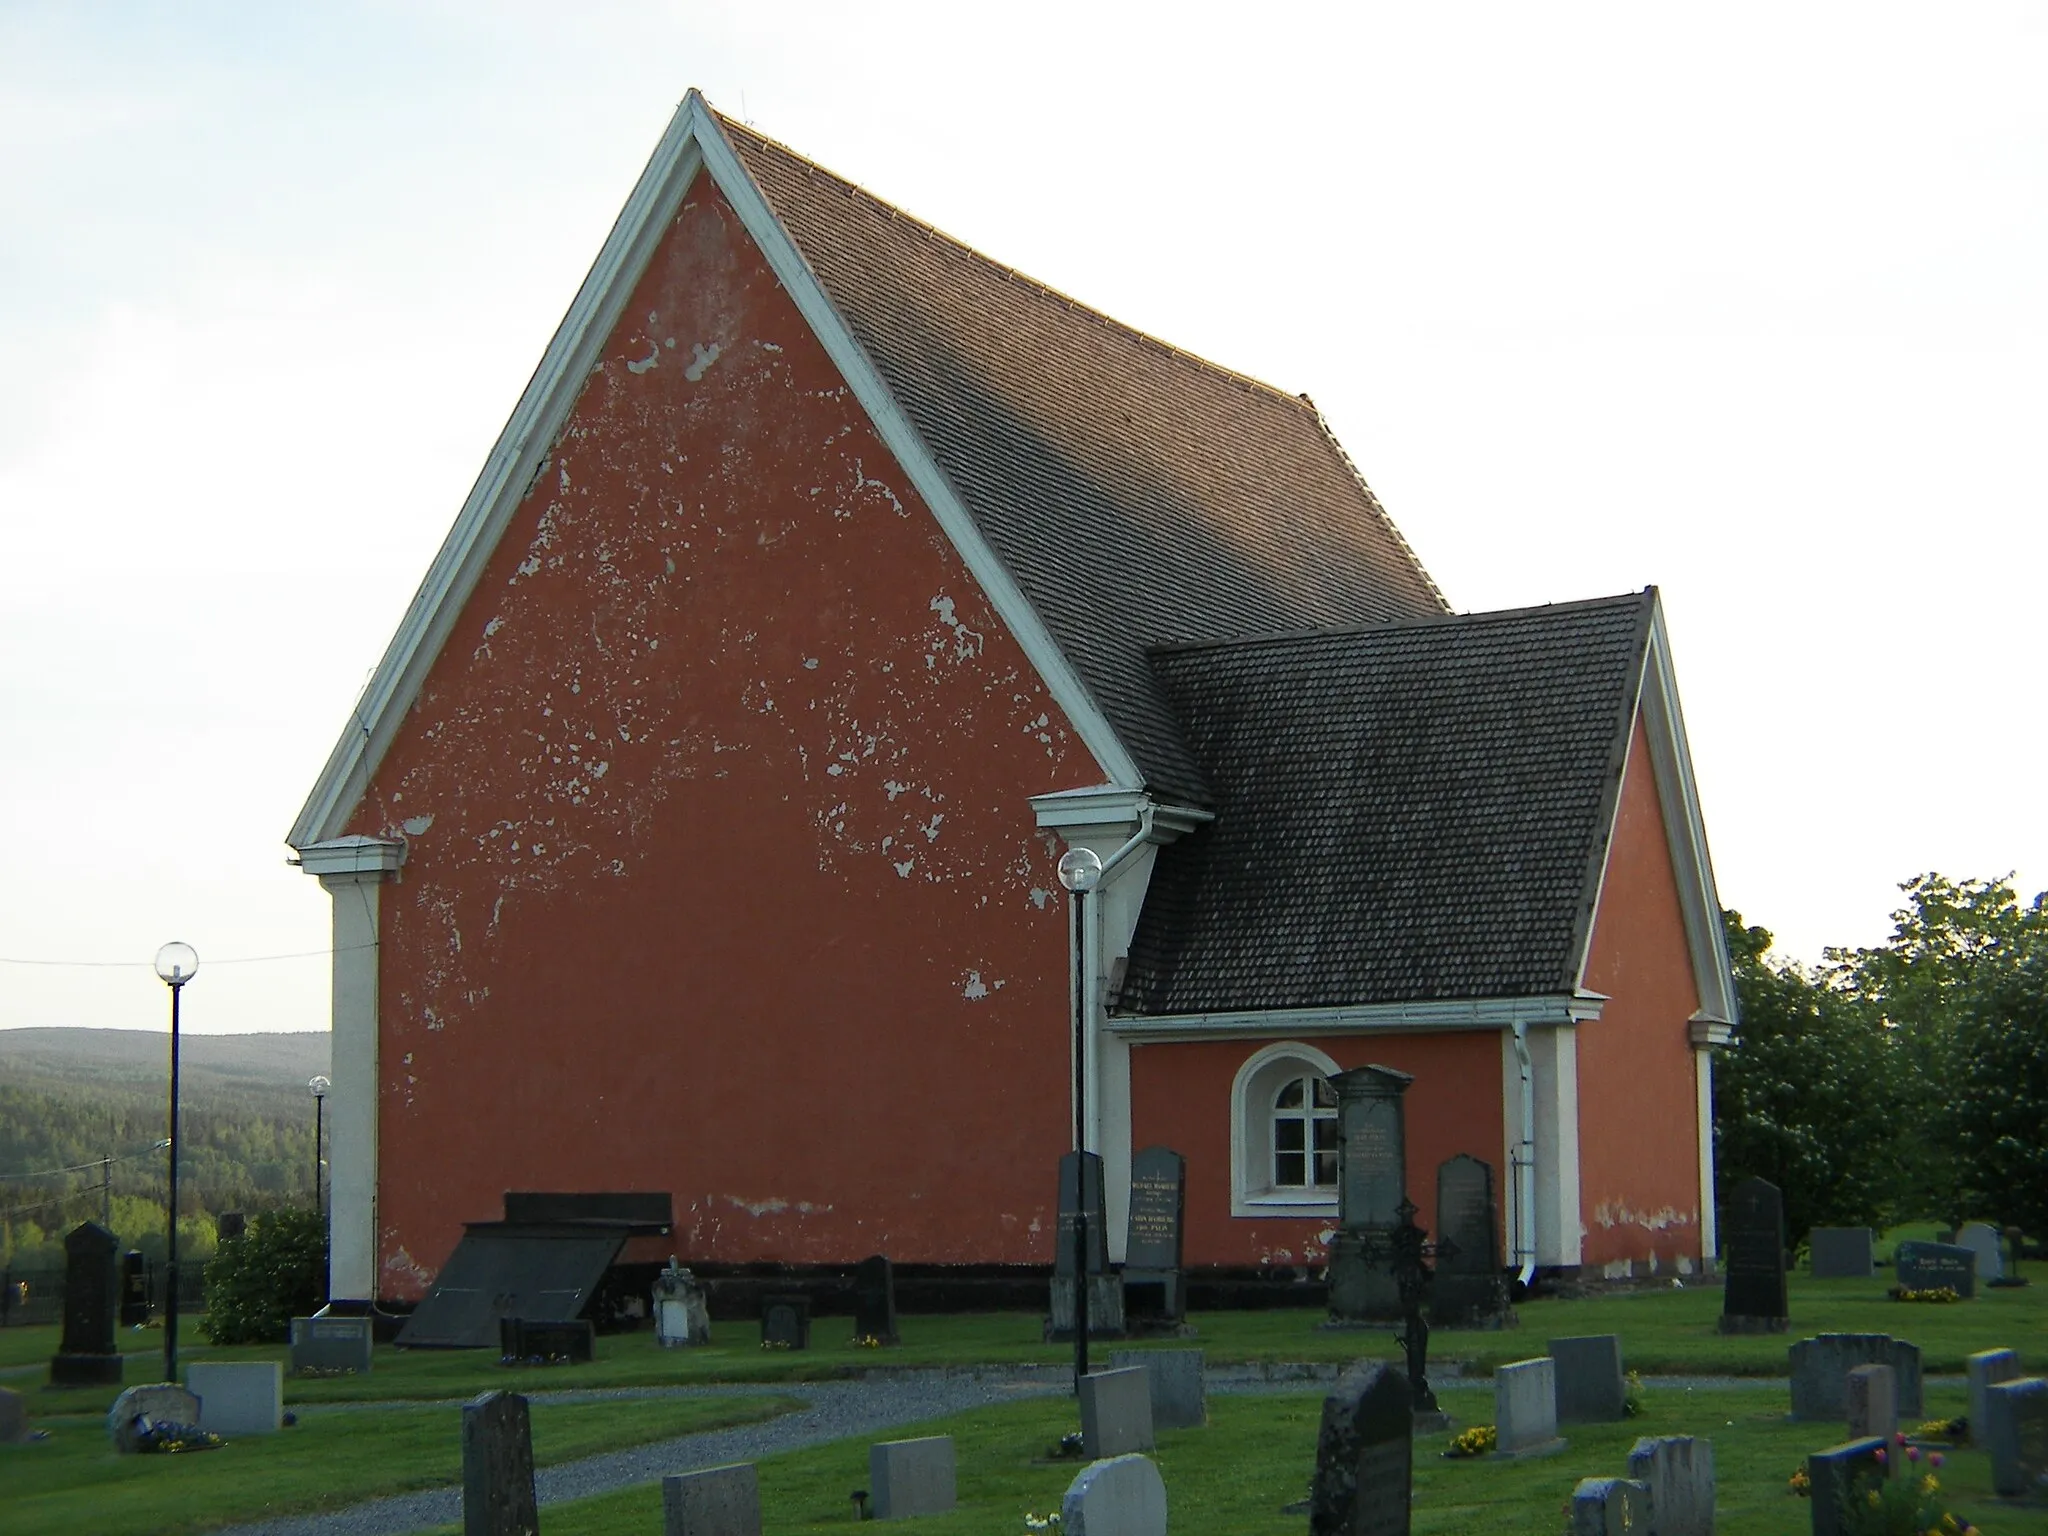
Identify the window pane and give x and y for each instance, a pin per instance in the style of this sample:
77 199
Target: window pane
1290 1096
1288 1169
1326 1136
1289 1136
1326 1096
1326 1169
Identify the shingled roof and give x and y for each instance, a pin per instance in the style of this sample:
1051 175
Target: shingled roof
1404 812
1135 493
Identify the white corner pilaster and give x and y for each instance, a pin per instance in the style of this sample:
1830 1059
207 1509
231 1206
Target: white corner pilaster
353 869
1554 1068
1706 1034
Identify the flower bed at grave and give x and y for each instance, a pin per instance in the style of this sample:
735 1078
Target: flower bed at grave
1938 1295
160 1437
1479 1440
1956 1430
1901 1504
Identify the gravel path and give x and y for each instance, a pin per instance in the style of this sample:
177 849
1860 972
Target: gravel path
838 1410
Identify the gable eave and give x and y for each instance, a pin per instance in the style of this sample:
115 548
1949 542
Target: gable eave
693 141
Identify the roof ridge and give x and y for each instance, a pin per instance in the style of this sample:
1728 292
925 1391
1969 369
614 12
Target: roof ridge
1490 615
1299 402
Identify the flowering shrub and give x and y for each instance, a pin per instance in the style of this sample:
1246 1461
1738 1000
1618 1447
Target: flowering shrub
1049 1522
866 1341
1938 1295
1907 1503
1943 1429
1800 1483
1632 1402
1479 1440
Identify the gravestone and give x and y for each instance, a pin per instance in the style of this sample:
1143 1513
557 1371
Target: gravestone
1372 1182
1591 1387
718 1501
92 1300
912 1477
1871 1394
1081 1181
1525 1409
1842 1253
1931 1266
1820 1368
1679 1472
1982 1240
682 1317
1986 1368
1753 1300
1609 1506
326 1345
497 1467
1116 1412
2016 1436
1122 1496
13 1418
1154 1288
1469 1291
134 1410
522 1340
1365 1455
134 1290
244 1397
1179 1397
786 1322
1833 1475
874 1300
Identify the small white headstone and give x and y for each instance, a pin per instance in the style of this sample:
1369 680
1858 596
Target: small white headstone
1983 1241
244 1397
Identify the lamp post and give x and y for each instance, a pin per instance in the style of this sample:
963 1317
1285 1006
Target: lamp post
319 1087
177 964
1080 872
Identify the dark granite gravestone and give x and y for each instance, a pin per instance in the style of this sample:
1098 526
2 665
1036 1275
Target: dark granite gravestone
1932 1266
92 1299
1835 1475
1986 1369
1609 1506
134 1290
1470 1291
522 1340
332 1345
1364 1455
1754 1299
13 1418
874 1300
1842 1253
1081 1180
786 1322
2016 1437
1372 1181
1153 1288
497 1467
1820 1366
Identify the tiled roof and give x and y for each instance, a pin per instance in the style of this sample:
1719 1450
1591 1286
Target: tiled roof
1136 494
1404 812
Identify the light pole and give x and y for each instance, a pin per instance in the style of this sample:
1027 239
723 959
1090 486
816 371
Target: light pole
177 964
319 1087
1080 873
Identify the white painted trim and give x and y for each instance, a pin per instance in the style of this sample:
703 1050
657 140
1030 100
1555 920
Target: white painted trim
515 458
1099 806
352 1101
1366 1018
352 855
1250 1194
1703 1081
1554 1057
694 140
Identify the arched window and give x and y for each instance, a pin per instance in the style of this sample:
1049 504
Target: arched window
1283 1133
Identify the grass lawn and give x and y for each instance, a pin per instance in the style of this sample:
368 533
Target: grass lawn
1664 1332
74 1482
1232 1478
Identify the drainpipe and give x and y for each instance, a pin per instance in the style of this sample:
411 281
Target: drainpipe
1131 847
1525 1162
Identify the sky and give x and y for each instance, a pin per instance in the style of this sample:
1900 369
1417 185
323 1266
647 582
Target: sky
1744 301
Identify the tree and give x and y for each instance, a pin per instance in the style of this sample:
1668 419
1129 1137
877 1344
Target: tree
258 1282
1811 1094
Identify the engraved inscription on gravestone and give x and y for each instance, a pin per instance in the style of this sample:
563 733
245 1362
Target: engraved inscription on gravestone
1371 1185
1153 1284
1934 1266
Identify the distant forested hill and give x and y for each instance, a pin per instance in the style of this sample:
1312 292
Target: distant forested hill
72 1097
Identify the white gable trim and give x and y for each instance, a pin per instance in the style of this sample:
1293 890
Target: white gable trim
1363 1018
1685 829
692 142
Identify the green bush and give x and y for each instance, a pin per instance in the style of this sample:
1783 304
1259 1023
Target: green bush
258 1282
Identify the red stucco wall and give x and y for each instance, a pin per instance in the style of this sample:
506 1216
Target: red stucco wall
1639 1170
1180 1097
721 876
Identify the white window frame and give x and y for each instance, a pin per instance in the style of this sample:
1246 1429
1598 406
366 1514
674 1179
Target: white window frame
1258 1081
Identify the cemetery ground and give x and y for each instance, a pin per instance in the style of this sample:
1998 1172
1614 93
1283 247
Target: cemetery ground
1234 1476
